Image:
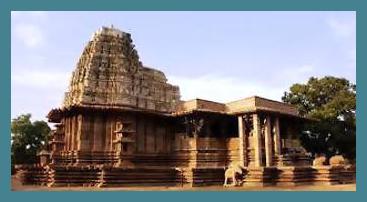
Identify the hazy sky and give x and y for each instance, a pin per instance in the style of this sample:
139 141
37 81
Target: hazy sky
220 56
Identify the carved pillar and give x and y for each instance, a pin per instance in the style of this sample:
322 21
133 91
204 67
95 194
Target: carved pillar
268 142
97 136
124 143
277 143
257 140
193 147
72 132
67 134
242 137
79 133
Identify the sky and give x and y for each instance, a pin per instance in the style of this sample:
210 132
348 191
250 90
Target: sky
219 56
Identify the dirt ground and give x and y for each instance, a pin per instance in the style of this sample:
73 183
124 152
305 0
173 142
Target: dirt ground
17 186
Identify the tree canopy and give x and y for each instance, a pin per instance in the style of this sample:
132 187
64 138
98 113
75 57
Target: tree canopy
332 102
27 138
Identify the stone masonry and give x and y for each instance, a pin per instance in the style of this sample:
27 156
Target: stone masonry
122 124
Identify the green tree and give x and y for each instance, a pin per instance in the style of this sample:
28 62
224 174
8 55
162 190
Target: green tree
332 102
27 139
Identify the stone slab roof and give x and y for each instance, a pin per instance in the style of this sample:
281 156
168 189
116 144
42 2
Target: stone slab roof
246 105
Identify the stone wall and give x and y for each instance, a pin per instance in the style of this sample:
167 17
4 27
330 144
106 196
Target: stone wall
205 152
152 134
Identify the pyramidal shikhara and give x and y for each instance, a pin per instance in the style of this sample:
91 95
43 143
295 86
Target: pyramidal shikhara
109 73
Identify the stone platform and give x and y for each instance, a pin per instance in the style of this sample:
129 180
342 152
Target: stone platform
109 176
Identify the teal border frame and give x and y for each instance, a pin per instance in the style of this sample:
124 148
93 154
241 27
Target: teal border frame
6 6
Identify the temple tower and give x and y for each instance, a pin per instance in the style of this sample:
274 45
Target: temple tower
109 87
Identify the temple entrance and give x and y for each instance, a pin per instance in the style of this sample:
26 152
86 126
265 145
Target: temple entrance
207 125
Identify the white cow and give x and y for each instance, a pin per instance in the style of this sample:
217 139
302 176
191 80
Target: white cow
233 170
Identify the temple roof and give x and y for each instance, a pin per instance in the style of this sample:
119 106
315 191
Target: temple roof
55 115
246 105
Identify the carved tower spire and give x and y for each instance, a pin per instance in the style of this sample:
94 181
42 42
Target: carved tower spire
109 73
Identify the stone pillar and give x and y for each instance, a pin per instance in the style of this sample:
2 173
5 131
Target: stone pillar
72 132
193 148
268 142
79 133
277 143
257 140
242 136
44 157
67 134
97 135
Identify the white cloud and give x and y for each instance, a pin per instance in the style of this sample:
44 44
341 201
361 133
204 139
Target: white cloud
30 34
351 56
37 91
344 30
298 74
41 79
222 89
35 14
342 27
305 69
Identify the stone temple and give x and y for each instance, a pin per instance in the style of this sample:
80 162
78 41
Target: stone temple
121 124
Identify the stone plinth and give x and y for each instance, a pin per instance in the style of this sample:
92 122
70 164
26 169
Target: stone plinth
328 175
290 175
260 176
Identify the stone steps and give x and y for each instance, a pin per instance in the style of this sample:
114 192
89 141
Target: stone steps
207 176
74 176
134 176
294 176
36 175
